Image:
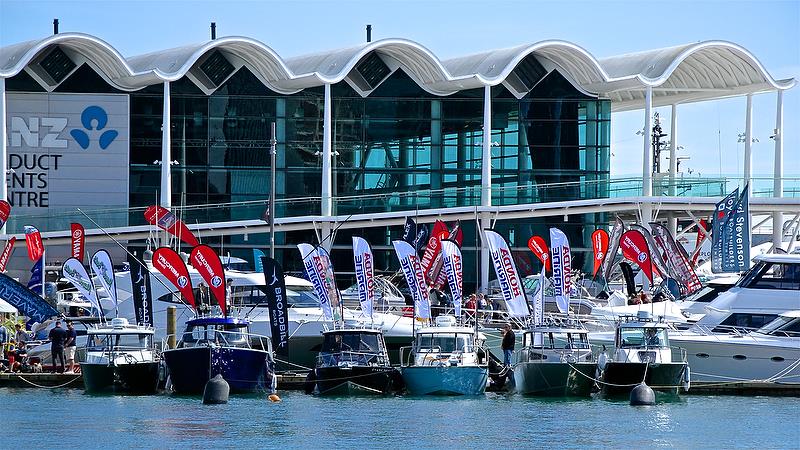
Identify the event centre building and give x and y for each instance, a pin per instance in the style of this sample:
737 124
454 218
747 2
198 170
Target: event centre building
369 134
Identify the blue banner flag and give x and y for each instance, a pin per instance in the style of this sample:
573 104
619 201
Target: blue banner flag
35 282
410 231
736 236
26 302
257 255
721 213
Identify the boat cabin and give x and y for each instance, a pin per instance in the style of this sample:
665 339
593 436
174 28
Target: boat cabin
353 347
445 343
221 331
120 338
549 343
785 325
642 340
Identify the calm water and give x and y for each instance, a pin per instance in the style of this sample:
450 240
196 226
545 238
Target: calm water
70 418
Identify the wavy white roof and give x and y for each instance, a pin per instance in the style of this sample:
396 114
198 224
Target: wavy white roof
686 73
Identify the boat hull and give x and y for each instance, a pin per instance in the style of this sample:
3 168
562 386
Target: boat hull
445 380
621 377
555 379
245 370
137 378
356 380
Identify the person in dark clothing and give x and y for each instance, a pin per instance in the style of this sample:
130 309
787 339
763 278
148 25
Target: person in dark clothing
58 337
70 346
508 344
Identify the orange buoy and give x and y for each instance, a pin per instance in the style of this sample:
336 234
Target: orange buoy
274 398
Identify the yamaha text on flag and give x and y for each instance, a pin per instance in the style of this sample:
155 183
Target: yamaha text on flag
77 240
8 250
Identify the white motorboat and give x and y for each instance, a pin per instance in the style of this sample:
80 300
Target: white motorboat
388 298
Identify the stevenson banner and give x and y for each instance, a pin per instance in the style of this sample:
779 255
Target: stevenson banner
8 250
276 305
634 248
676 259
454 271
76 274
169 263
142 295
34 242
365 276
507 275
27 303
206 261
319 270
721 213
412 270
5 211
164 219
613 246
599 248
736 236
77 238
104 269
539 248
562 268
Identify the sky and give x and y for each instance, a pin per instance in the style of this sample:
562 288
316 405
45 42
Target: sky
708 131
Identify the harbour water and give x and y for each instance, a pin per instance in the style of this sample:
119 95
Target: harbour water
34 418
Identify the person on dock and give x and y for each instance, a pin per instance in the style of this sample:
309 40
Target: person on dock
69 346
20 335
20 358
508 344
57 338
3 336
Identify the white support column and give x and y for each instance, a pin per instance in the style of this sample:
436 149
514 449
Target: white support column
673 165
748 141
486 181
486 222
3 141
777 216
326 204
647 160
166 151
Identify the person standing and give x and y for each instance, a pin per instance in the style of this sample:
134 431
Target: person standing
57 338
3 339
69 346
508 344
20 335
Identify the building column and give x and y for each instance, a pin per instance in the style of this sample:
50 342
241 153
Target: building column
647 160
437 194
3 143
486 181
326 205
777 216
673 165
748 143
166 151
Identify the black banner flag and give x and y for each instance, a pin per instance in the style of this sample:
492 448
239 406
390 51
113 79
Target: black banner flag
276 304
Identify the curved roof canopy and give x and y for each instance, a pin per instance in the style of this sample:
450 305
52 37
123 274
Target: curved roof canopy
686 73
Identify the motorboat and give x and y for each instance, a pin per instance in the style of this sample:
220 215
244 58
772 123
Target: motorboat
765 359
120 357
642 353
445 359
388 298
555 360
224 346
353 361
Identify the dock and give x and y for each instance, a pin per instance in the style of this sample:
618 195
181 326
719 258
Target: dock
41 380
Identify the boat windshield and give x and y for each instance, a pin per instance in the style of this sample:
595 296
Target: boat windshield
557 340
252 295
99 342
443 343
643 337
767 275
782 326
231 335
351 342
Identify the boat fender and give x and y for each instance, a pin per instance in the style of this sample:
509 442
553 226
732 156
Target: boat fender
216 391
274 398
643 395
687 379
601 361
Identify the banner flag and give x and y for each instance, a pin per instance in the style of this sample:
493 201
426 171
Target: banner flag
25 301
78 239
599 248
319 270
432 251
676 259
422 237
736 236
507 276
207 262
561 260
5 211
658 261
35 282
142 295
257 255
365 274
410 230
702 232
171 265
454 271
76 274
164 219
104 269
412 270
456 235
539 248
538 301
33 240
721 213
634 248
8 250
276 305
613 246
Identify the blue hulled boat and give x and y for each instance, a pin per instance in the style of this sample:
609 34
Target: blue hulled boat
219 345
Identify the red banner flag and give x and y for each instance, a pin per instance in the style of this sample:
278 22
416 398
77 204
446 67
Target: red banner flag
164 219
78 239
539 248
206 261
5 211
7 252
702 232
600 248
634 247
432 250
33 239
456 235
174 269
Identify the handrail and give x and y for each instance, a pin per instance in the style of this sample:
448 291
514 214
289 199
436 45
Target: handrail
247 339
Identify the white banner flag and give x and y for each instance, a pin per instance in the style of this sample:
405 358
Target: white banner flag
454 270
76 274
102 267
562 268
319 270
538 301
507 275
410 265
365 278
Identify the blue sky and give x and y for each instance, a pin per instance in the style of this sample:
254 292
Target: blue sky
708 131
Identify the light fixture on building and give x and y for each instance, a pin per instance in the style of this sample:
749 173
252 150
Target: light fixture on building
566 217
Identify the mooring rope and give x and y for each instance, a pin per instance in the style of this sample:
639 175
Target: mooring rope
48 387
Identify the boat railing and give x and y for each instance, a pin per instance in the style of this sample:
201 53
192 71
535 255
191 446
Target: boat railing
648 353
435 356
540 353
218 338
131 354
360 358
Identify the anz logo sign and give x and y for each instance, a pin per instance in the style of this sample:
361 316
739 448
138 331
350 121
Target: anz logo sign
45 132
